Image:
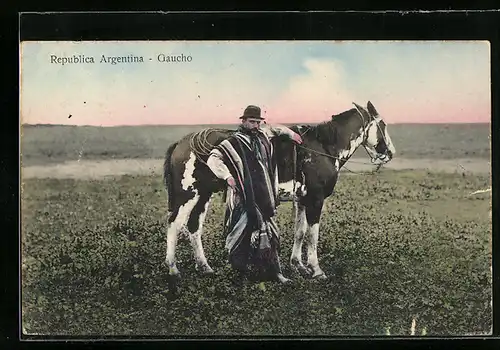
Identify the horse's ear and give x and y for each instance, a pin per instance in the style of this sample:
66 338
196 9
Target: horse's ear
371 109
358 106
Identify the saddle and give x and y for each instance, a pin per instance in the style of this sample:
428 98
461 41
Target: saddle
199 145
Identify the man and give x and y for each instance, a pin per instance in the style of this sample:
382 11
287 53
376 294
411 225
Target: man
246 161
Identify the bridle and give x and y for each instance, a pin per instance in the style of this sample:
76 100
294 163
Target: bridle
377 121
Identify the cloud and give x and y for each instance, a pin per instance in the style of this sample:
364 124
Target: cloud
291 82
314 95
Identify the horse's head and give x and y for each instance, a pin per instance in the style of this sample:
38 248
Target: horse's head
377 141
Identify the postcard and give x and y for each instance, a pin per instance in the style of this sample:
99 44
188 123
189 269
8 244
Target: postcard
255 188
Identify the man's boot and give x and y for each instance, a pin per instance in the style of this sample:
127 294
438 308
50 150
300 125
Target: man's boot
276 270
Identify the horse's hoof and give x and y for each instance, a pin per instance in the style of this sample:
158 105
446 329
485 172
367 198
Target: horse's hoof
205 270
208 271
283 279
320 276
172 269
176 275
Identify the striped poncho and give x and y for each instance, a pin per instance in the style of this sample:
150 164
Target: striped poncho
249 223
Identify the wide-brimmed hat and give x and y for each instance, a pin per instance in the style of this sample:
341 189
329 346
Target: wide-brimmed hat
252 112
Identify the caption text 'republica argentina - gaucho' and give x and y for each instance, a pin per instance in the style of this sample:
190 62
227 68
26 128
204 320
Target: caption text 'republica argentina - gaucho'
76 59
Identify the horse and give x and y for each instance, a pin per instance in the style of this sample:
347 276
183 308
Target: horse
314 172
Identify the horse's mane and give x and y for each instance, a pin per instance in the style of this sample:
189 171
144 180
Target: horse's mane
328 131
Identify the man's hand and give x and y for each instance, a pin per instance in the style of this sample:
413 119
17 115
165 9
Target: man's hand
231 182
296 137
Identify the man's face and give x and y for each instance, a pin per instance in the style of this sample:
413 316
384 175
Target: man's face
251 123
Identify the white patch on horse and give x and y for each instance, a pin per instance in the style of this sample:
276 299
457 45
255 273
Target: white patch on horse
372 134
173 232
353 145
188 177
179 224
303 189
300 231
390 145
287 187
312 250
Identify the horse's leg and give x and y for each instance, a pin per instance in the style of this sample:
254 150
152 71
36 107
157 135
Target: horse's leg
313 214
172 236
195 228
300 231
177 222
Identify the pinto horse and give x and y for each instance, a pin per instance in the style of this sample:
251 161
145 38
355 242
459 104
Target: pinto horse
325 149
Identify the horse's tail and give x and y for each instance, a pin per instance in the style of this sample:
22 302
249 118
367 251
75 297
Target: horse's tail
167 175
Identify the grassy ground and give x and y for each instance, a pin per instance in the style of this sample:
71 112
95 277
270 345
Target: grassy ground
45 144
397 246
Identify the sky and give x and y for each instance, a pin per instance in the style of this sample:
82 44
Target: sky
292 81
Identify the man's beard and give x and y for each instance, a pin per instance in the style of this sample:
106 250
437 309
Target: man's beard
249 131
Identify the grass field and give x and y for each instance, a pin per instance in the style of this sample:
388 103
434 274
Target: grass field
398 246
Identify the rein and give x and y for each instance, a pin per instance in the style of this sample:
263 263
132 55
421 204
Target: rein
378 166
